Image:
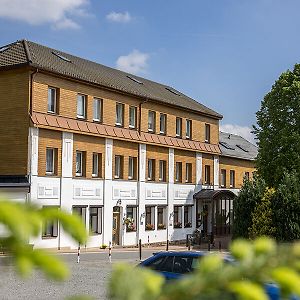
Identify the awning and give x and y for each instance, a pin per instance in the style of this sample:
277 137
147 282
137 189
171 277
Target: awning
208 194
14 181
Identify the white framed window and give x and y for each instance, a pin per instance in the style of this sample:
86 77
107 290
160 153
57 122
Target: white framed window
188 129
119 166
150 218
79 163
178 127
161 217
131 218
132 116
188 172
232 178
177 218
119 114
207 174
151 121
81 106
178 172
97 113
188 212
50 228
97 163
95 219
162 123
151 169
52 99
247 175
207 133
80 211
50 161
131 167
162 170
223 178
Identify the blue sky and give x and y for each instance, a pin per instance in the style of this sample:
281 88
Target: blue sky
224 53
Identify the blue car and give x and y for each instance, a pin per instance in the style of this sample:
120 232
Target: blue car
174 264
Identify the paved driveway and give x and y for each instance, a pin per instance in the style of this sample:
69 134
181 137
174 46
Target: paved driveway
89 277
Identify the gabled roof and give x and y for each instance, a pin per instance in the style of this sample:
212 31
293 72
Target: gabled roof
232 145
51 60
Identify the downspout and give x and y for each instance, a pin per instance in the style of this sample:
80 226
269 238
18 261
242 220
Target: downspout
139 179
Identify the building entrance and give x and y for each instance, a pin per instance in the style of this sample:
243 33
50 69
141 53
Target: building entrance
116 226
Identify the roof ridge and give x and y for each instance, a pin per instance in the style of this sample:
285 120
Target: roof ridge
27 51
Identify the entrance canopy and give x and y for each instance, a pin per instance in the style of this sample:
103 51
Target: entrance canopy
213 194
215 211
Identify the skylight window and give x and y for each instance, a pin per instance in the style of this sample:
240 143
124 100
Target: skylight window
61 56
134 79
2 49
227 146
242 148
172 91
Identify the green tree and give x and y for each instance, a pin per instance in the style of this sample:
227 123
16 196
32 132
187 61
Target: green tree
286 208
244 205
20 222
278 129
262 216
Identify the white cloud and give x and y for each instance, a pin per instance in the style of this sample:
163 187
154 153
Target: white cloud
119 17
243 131
36 12
135 62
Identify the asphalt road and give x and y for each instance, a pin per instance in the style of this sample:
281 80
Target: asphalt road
89 277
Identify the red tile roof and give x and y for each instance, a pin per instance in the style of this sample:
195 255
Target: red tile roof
79 126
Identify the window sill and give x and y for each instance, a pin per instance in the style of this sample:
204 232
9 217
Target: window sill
130 231
97 121
50 174
132 127
177 227
52 112
81 118
95 233
119 125
49 237
162 228
149 229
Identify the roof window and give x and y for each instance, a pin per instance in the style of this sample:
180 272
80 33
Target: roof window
134 79
227 146
60 56
242 148
172 91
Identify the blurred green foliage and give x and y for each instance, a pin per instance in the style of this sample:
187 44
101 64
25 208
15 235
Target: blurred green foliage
22 221
256 263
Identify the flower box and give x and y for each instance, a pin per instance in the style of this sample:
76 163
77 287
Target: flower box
177 225
161 226
149 227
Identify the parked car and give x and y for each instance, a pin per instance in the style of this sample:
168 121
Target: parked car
175 264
